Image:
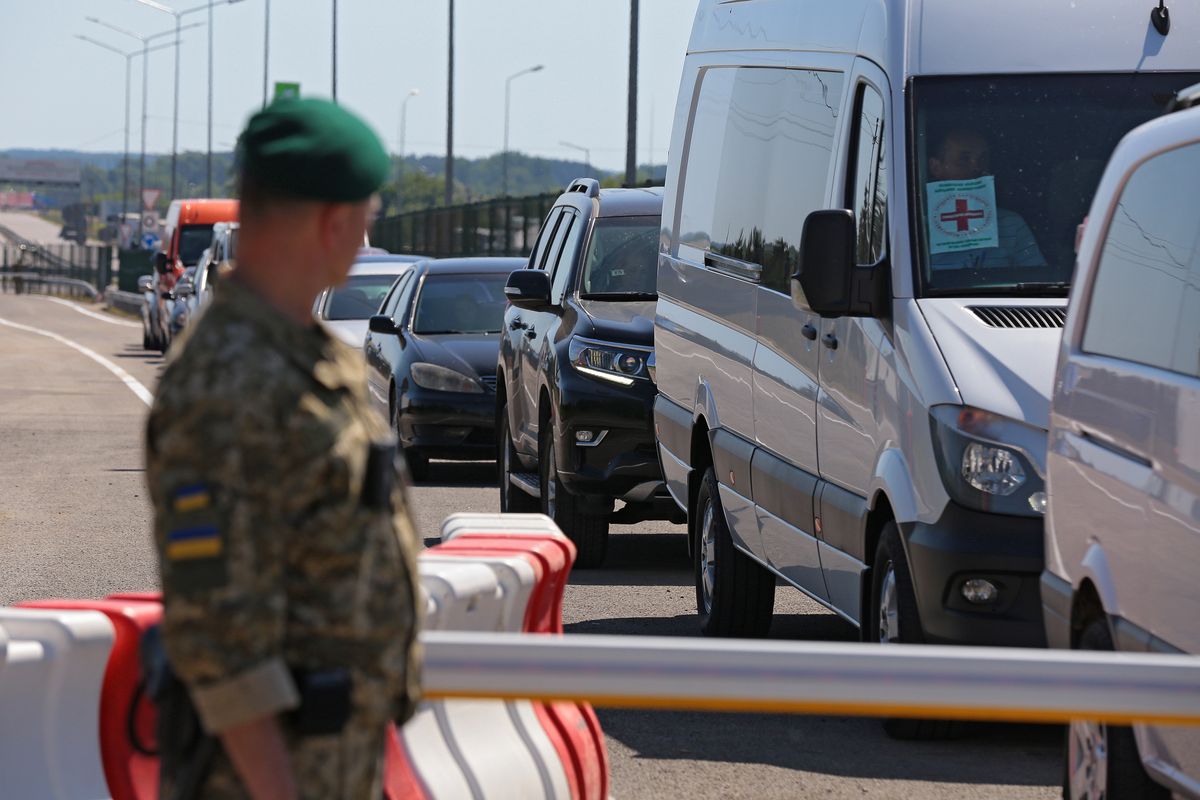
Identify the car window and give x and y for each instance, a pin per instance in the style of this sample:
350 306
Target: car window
566 244
359 297
1145 304
1006 167
759 155
622 258
193 241
392 303
460 304
545 237
868 181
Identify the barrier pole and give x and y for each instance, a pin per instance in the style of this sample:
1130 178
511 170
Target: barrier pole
926 681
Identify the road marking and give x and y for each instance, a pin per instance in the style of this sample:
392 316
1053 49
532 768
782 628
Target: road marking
137 388
102 317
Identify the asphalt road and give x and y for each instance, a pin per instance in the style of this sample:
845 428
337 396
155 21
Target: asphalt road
31 227
74 522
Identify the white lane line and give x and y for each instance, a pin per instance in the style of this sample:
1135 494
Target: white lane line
137 388
102 317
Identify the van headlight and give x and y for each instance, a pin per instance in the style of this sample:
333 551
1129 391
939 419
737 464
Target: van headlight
989 462
443 379
609 361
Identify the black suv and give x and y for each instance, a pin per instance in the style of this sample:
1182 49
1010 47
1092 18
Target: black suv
575 393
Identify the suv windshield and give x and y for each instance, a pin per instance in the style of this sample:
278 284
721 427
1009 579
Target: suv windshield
461 304
622 259
193 240
1005 169
359 297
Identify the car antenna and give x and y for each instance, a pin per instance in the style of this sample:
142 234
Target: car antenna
1161 17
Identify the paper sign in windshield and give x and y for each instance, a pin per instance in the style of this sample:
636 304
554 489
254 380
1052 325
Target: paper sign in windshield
962 215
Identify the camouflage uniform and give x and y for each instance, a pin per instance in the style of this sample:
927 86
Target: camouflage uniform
272 558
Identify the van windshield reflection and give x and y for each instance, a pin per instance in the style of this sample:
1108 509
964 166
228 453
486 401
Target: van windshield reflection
1006 167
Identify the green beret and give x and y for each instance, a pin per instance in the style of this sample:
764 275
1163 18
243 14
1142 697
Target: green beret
313 150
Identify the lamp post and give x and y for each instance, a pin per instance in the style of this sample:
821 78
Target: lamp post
146 49
631 121
404 122
128 69
449 192
179 15
507 102
266 49
587 154
334 59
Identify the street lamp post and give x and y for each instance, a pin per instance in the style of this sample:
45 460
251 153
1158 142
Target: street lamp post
334 59
587 154
404 122
145 53
128 85
179 15
507 102
449 192
266 49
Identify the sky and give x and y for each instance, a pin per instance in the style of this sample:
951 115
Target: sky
61 92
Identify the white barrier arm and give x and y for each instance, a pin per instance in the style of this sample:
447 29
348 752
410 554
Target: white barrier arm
1001 684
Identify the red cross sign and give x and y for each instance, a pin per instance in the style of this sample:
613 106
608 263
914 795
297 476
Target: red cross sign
962 215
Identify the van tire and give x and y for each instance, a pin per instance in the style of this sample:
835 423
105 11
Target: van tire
1124 775
742 590
891 584
583 520
512 499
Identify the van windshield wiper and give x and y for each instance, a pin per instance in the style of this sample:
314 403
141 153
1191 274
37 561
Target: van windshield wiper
1042 288
1031 289
619 296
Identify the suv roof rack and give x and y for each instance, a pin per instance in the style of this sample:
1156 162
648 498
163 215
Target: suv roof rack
588 186
1187 98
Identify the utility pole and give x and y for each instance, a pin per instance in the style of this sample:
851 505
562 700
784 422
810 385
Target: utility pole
631 129
208 186
335 51
266 50
449 197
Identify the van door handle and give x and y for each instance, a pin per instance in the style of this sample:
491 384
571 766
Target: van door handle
830 341
809 332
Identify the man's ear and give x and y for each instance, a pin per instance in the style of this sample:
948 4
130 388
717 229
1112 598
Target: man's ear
331 220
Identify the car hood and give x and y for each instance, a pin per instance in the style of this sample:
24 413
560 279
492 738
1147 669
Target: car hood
629 322
1005 370
351 331
473 354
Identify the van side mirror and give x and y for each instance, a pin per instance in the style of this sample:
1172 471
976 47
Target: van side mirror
529 289
827 280
382 323
145 283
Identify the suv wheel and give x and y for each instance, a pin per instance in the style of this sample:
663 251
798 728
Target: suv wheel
894 619
512 499
583 520
735 595
1102 760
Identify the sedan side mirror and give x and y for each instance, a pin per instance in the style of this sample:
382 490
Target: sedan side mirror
529 289
827 280
382 323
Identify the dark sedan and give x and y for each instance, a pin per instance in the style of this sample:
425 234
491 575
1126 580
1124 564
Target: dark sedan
431 358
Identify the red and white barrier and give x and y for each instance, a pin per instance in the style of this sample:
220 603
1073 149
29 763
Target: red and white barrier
51 672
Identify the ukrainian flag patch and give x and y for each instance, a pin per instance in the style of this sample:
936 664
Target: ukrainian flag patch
195 544
203 541
191 498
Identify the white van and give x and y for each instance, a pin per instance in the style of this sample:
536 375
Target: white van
1123 524
869 226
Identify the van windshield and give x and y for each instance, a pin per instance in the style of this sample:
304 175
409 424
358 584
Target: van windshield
193 240
1005 169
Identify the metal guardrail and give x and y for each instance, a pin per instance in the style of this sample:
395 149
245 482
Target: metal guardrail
924 681
130 302
501 227
29 266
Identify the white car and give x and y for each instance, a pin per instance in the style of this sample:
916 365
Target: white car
1123 522
346 308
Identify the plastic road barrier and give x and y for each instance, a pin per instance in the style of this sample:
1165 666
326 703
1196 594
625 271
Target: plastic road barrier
51 670
127 716
523 524
927 681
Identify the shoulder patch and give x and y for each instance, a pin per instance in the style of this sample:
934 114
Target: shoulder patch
195 543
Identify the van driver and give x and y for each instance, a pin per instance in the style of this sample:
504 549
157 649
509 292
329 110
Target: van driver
964 154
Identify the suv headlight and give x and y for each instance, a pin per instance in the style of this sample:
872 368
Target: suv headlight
989 462
609 361
443 379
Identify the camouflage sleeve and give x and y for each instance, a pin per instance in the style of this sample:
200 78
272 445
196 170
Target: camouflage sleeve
209 468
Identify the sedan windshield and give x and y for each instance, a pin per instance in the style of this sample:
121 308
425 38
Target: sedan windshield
1005 169
622 259
461 304
359 297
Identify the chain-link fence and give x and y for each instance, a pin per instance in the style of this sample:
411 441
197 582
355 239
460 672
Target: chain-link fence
501 227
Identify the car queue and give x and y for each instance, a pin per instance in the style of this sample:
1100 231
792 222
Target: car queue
834 343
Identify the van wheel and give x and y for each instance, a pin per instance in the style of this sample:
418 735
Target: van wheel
1102 760
512 499
583 520
735 595
895 620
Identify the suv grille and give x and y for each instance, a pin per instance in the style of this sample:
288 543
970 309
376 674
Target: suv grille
1021 316
489 381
